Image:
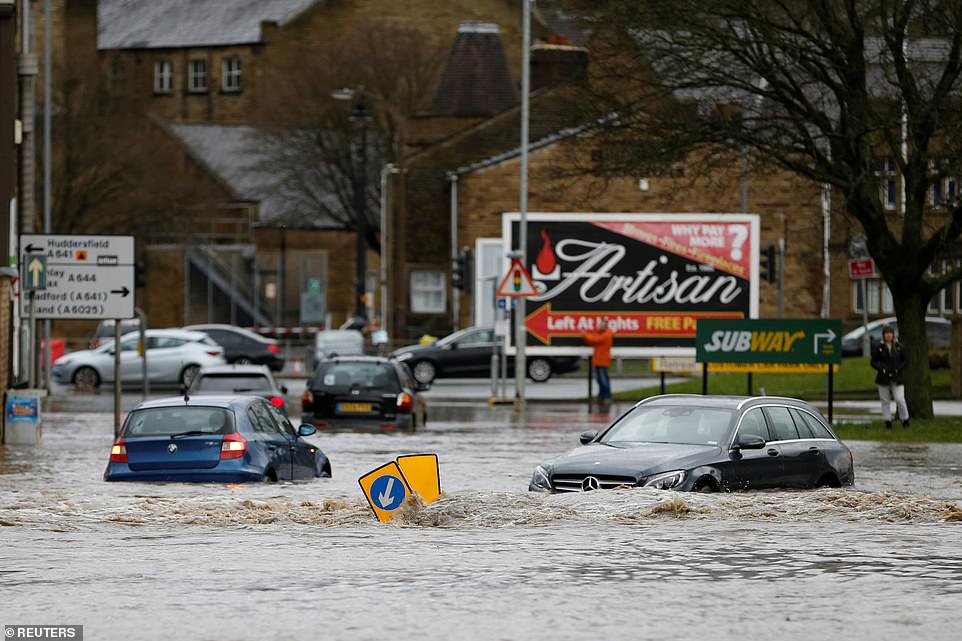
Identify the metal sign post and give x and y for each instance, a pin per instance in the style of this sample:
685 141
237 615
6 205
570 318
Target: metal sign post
117 386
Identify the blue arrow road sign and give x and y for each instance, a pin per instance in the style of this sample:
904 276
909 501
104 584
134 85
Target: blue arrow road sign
387 492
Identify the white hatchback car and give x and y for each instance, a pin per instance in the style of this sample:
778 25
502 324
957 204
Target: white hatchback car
173 357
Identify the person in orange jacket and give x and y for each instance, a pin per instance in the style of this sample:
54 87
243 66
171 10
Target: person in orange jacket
601 340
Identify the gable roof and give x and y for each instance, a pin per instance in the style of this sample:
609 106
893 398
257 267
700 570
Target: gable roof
231 153
159 24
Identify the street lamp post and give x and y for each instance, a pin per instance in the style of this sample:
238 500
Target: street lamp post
361 117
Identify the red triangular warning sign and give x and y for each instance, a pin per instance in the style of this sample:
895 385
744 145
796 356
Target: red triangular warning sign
517 282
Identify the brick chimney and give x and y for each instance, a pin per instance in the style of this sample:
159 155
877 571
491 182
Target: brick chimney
554 63
477 79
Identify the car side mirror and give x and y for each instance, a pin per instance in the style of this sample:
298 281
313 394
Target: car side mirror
421 387
587 437
749 442
306 430
284 389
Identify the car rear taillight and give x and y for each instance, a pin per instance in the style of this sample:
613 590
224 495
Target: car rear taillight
404 402
278 401
118 453
234 446
273 348
307 401
214 352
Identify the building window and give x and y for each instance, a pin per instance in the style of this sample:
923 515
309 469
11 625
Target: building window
197 76
163 77
427 292
888 183
879 297
232 74
946 300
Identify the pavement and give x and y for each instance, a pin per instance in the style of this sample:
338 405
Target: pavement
556 389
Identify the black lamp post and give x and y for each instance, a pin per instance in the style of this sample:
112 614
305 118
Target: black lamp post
360 116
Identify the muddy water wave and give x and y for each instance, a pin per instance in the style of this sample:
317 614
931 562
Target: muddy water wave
489 560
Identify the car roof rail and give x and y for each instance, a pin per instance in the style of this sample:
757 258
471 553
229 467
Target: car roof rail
768 398
657 396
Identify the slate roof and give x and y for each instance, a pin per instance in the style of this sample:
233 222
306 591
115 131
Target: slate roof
159 24
233 153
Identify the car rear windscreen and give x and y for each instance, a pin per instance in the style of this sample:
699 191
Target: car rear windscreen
232 383
339 377
674 424
168 421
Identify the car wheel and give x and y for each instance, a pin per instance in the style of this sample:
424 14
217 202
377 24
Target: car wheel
270 476
414 421
705 487
424 372
539 370
243 360
86 377
188 375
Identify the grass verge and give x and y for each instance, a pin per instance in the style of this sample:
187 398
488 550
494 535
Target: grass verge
855 380
935 430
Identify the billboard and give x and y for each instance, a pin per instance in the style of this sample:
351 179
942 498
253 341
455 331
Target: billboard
652 276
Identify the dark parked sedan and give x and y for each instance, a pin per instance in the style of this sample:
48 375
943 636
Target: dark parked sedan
244 347
364 391
467 353
225 439
705 443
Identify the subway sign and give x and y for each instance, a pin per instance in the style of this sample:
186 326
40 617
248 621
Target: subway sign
653 277
796 341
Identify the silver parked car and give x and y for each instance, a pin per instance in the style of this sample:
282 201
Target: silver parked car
173 357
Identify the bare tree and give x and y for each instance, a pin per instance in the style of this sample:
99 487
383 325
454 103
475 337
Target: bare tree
110 170
315 151
829 90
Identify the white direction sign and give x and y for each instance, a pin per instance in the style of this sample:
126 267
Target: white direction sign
87 277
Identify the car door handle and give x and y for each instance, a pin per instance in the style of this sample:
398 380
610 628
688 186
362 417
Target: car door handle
814 450
772 451
272 447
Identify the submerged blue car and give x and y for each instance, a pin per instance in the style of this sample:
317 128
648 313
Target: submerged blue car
220 439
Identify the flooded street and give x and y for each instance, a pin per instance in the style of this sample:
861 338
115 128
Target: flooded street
487 561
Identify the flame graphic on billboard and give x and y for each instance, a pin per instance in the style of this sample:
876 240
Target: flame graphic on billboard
546 265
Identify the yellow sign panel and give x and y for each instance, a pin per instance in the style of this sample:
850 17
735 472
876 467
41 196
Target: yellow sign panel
773 368
422 475
385 490
81 254
672 364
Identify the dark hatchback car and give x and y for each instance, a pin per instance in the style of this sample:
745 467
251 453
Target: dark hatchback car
705 443
244 347
467 353
364 391
225 439
254 380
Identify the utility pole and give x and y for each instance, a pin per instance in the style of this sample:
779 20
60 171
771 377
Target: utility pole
520 363
47 161
27 70
361 116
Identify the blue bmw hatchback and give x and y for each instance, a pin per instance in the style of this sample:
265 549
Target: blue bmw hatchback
225 439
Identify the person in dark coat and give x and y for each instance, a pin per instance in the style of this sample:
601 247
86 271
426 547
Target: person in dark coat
890 361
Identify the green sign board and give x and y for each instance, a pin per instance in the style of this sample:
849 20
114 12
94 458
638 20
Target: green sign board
35 273
768 341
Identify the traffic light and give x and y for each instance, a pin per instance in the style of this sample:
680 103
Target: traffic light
768 264
461 270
